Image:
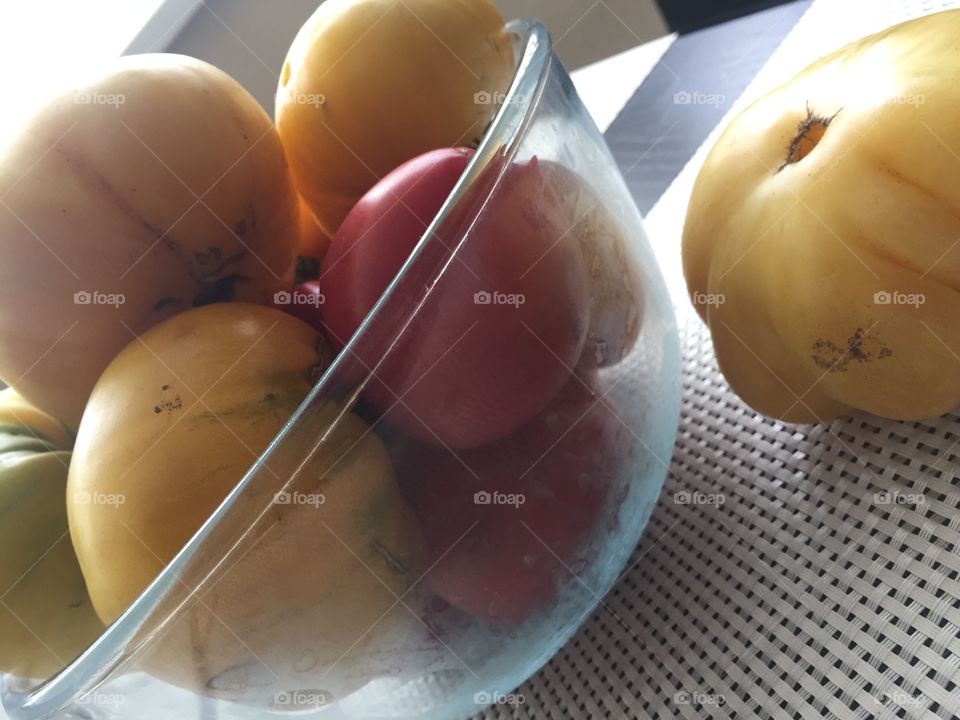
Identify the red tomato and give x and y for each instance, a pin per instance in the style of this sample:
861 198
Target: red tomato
504 323
303 302
506 524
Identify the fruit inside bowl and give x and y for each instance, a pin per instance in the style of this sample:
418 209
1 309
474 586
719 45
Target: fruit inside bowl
391 476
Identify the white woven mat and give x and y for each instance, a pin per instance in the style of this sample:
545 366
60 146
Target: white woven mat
823 580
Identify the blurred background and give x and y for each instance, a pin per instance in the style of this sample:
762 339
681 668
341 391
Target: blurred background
45 43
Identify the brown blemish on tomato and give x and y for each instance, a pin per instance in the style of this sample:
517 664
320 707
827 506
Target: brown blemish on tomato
168 404
859 347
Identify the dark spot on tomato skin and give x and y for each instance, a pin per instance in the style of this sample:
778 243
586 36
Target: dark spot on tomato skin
169 405
859 347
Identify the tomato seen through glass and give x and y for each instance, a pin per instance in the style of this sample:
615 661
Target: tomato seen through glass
504 324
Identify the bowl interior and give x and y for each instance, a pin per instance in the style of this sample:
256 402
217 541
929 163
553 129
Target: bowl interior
540 119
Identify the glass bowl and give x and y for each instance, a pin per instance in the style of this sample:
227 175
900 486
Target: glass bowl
494 542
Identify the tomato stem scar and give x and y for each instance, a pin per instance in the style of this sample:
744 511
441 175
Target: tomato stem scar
810 132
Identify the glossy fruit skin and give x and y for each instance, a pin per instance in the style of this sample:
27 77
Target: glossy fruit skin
379 234
809 249
468 369
500 561
314 240
46 618
162 181
369 84
172 426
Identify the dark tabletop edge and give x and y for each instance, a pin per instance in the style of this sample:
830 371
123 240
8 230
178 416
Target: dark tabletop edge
688 92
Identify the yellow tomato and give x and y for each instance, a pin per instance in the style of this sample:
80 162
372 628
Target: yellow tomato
158 186
370 84
172 426
314 241
309 599
821 241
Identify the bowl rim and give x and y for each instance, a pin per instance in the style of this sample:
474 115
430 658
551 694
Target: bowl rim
124 639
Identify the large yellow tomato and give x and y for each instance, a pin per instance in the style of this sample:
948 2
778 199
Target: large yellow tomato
309 600
821 242
158 186
370 84
171 427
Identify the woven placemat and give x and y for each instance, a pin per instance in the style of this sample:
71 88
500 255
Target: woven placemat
788 571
